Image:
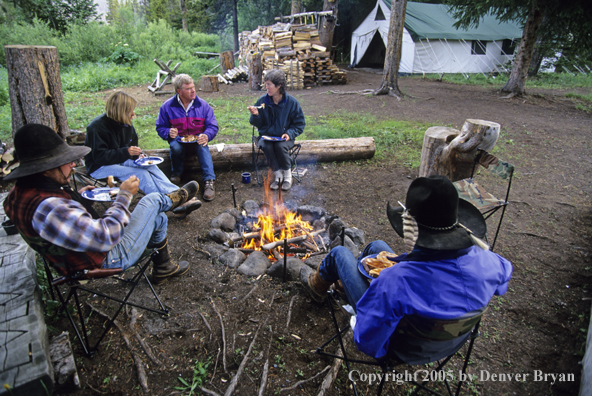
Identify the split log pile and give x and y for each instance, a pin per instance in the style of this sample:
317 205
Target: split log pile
294 48
8 162
237 74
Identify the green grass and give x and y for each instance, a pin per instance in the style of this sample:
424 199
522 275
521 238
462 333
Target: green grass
543 80
586 99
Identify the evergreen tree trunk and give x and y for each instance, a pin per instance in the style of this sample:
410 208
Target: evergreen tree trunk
515 84
328 23
35 87
235 26
296 7
392 60
183 7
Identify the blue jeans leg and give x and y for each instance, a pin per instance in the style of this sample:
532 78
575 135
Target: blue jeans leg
205 161
341 264
151 178
147 228
177 157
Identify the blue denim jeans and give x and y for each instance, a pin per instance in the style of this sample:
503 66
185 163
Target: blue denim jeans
146 229
151 177
276 153
203 156
341 264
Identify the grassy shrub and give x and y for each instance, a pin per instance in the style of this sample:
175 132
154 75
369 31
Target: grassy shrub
542 80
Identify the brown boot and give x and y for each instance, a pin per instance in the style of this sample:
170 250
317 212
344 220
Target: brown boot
338 287
163 267
314 284
184 194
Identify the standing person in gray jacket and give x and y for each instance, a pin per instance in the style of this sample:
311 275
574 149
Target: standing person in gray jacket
279 119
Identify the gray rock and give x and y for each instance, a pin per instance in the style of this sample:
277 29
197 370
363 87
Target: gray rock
234 212
218 235
233 258
293 266
314 261
318 224
63 363
256 264
349 244
291 205
251 207
214 249
224 221
357 236
335 228
311 213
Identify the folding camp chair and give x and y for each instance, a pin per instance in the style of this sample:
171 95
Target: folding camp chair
418 340
486 202
77 282
81 179
259 158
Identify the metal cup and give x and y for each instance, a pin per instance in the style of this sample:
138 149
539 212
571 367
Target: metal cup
246 177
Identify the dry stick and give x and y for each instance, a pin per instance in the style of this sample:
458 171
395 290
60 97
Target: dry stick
143 344
206 322
139 365
242 365
330 377
297 384
215 366
299 238
266 365
249 293
289 314
209 392
223 336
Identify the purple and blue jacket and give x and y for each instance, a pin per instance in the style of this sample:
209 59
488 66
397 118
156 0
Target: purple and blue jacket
199 118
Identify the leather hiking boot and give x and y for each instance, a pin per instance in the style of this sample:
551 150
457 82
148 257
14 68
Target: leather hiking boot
163 268
176 179
209 191
184 194
314 284
187 208
338 287
277 179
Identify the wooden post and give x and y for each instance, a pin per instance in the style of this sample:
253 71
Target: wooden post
255 73
226 61
450 152
209 83
35 87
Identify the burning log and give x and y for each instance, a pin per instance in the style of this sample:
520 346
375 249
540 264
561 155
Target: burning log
300 238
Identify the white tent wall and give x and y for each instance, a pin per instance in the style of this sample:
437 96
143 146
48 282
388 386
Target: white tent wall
426 55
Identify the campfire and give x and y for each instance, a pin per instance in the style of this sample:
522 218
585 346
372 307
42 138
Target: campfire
278 231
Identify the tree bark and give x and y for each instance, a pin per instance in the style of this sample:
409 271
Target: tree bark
392 60
226 61
312 151
235 26
209 83
183 6
296 7
515 84
255 73
35 87
328 22
451 153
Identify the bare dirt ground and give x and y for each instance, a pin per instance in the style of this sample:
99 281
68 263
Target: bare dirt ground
539 324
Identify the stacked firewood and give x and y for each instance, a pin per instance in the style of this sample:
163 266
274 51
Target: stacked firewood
7 162
238 74
294 48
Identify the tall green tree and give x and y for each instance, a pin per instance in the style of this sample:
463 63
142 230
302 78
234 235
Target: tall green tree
392 59
58 13
569 26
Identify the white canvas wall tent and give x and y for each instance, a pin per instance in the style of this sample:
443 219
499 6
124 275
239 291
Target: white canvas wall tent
432 45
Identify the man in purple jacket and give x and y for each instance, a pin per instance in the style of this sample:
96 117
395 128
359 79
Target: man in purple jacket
188 123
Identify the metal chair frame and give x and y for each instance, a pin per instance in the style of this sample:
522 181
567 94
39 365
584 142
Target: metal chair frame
387 365
259 160
77 283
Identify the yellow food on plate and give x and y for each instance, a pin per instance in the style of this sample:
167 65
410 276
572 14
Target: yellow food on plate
374 265
189 138
110 181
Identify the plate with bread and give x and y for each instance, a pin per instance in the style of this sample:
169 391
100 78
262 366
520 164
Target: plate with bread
371 266
103 194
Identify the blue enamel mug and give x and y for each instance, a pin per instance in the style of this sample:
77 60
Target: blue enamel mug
246 177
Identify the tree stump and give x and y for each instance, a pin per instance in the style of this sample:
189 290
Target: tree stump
209 83
451 153
255 73
35 87
226 61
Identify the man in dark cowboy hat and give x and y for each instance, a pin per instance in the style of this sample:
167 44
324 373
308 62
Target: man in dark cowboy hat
444 276
63 227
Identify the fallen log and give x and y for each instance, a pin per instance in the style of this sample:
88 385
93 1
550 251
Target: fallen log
225 156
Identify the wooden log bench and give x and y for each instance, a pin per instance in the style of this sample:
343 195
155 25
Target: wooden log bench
225 156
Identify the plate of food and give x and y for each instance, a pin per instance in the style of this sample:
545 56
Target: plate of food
272 138
103 194
371 266
148 161
188 139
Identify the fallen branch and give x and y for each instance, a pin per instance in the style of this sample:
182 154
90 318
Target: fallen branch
209 392
202 251
215 366
249 293
289 314
223 336
330 377
139 364
271 245
362 92
297 384
206 323
266 366
241 367
133 318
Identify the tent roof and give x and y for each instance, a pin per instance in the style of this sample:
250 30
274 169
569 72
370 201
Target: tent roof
434 21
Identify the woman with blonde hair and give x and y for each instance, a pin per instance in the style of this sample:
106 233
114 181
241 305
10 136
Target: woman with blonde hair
114 147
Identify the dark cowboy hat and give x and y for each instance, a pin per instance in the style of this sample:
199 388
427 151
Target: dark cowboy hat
434 203
39 148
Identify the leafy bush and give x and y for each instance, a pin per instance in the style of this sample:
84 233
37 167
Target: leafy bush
123 55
